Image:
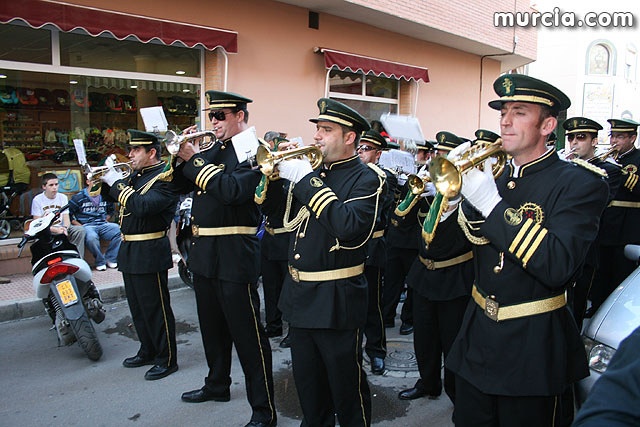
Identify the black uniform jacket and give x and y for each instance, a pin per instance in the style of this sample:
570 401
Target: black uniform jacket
223 197
377 246
404 231
544 225
275 247
141 214
443 284
620 224
341 200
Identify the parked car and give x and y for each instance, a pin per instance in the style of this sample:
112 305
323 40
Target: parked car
618 317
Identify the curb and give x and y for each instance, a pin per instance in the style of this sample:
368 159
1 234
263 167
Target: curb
32 307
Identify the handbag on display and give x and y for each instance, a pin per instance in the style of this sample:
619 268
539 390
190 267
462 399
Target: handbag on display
61 99
128 103
27 97
45 98
113 103
8 96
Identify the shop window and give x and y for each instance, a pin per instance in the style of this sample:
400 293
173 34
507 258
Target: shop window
371 96
107 53
600 59
25 44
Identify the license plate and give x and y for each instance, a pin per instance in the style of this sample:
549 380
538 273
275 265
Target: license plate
67 293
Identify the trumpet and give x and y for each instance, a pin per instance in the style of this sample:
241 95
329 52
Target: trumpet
447 175
94 175
174 141
268 160
611 152
416 184
569 155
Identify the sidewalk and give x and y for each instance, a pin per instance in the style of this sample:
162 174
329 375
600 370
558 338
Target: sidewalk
17 299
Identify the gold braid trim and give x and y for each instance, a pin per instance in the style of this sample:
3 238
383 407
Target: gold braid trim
303 213
468 226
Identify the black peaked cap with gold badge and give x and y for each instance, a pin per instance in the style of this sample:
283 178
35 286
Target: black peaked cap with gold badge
216 100
337 112
552 138
138 137
623 125
486 135
425 145
447 141
581 124
373 137
521 88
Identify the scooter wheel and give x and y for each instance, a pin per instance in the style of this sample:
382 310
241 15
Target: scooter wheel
87 338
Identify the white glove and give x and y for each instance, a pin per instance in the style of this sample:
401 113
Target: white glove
423 172
453 154
429 190
294 169
479 188
112 176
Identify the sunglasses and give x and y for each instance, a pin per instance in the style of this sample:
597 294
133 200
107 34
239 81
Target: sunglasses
578 136
365 148
219 115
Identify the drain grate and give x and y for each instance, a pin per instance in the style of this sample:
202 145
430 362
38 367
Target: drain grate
400 355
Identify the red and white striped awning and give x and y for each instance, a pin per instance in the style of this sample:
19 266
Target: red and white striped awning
354 63
68 17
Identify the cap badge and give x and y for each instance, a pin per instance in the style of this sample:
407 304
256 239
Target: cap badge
575 123
208 96
480 135
507 84
323 107
443 138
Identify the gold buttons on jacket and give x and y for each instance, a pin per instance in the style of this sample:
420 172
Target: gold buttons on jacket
511 185
199 193
296 257
323 175
192 218
301 235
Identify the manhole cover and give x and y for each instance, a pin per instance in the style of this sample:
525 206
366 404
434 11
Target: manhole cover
400 355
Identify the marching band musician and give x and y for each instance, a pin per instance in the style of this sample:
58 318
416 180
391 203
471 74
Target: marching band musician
582 135
441 280
621 218
518 348
369 150
224 258
332 213
147 208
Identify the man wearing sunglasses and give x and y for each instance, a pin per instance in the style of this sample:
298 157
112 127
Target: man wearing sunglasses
582 136
224 258
621 218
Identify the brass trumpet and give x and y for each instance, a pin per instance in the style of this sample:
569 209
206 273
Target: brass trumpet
173 141
94 175
268 160
611 152
447 175
416 184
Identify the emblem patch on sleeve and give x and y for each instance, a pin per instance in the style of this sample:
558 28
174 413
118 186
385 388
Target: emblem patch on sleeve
316 182
121 186
198 162
528 210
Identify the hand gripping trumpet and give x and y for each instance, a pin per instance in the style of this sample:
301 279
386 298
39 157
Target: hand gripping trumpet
447 175
174 141
268 160
95 174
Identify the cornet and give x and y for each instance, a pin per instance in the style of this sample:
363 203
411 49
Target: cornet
268 160
611 152
174 141
94 175
447 175
416 184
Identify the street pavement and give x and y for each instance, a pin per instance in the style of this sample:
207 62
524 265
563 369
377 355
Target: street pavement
46 385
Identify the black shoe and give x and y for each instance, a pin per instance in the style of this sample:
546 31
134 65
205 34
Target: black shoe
271 333
158 371
285 343
416 393
203 395
136 361
261 424
406 329
377 365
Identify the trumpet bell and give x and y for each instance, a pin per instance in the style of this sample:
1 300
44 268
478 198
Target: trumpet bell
416 184
173 141
445 176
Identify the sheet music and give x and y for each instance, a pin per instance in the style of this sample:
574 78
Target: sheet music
402 127
78 144
245 144
154 119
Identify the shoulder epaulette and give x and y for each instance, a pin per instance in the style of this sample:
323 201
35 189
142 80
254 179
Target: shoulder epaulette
392 171
590 167
377 170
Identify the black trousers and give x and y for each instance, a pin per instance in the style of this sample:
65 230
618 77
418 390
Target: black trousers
614 267
577 294
399 262
273 274
150 305
327 369
229 313
436 324
477 409
376 345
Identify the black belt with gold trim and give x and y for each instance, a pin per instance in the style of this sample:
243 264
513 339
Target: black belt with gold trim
198 231
496 312
274 231
320 276
434 265
142 237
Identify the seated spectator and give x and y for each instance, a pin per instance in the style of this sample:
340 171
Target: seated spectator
89 210
50 200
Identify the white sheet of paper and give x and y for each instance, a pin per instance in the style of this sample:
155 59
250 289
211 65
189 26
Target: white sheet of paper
402 127
298 141
398 160
245 144
154 119
78 144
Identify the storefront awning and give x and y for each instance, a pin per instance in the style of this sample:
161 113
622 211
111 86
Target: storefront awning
349 61
67 17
